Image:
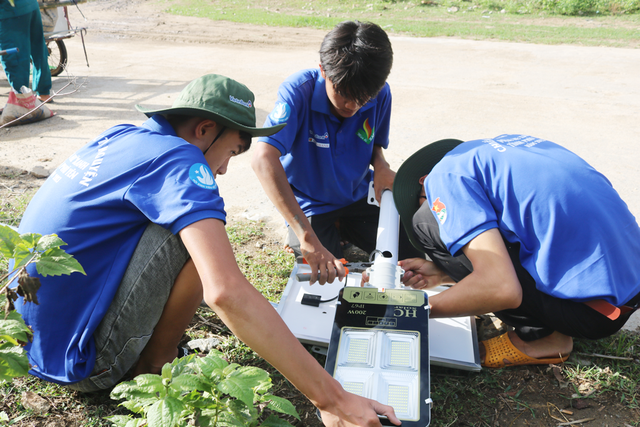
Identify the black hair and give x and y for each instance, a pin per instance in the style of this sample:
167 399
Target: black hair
246 140
357 58
177 120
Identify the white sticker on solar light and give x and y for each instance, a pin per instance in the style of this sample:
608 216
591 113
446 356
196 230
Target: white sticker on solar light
382 365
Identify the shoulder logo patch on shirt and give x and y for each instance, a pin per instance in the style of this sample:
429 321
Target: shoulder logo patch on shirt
280 113
367 132
202 176
440 210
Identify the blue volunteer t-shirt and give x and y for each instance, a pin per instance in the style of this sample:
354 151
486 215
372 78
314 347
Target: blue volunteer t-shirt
326 160
100 201
577 238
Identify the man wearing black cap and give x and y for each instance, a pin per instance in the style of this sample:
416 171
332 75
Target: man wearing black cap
526 230
140 210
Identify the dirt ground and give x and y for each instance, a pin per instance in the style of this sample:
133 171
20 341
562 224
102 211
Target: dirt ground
585 98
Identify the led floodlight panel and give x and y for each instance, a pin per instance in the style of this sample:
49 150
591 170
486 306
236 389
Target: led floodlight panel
379 349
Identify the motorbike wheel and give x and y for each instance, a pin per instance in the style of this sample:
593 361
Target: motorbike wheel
57 56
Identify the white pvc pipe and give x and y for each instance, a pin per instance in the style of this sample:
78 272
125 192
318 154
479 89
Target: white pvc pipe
385 273
388 230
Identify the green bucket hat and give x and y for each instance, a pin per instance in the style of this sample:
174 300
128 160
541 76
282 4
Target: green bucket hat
406 188
217 98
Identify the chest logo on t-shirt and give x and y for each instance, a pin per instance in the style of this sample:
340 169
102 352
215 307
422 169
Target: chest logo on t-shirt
280 113
202 176
440 210
367 132
320 140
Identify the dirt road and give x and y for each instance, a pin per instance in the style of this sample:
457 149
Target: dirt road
585 98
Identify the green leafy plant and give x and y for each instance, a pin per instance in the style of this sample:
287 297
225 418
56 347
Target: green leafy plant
50 260
204 391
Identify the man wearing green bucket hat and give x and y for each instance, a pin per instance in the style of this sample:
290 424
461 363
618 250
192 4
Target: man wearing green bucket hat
140 210
526 230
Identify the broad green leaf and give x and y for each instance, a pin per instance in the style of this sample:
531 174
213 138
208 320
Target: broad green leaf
30 239
235 387
56 262
13 328
188 382
165 412
273 421
241 411
149 383
121 390
139 404
22 255
194 399
131 390
119 420
251 375
216 358
281 405
13 362
229 419
49 241
135 406
210 365
230 369
9 238
14 331
263 387
182 365
126 421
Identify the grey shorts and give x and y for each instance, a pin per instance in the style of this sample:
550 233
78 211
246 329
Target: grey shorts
136 307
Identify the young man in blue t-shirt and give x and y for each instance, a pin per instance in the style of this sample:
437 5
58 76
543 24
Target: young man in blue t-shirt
316 171
527 230
140 210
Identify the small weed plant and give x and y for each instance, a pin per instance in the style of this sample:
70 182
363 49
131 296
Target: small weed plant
50 260
204 391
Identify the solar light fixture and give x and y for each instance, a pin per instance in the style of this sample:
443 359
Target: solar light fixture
379 349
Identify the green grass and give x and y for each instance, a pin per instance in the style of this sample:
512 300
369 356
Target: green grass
521 21
12 207
463 395
268 269
460 397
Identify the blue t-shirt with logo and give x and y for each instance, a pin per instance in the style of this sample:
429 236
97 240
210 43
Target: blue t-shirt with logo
326 159
100 201
578 239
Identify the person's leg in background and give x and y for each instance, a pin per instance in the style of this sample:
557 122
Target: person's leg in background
41 83
17 65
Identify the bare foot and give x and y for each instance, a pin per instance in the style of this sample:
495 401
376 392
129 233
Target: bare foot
44 98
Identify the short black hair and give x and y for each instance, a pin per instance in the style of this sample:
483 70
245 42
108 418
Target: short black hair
177 120
357 58
246 140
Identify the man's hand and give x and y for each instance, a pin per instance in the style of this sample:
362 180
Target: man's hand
422 274
383 176
353 410
382 180
324 266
